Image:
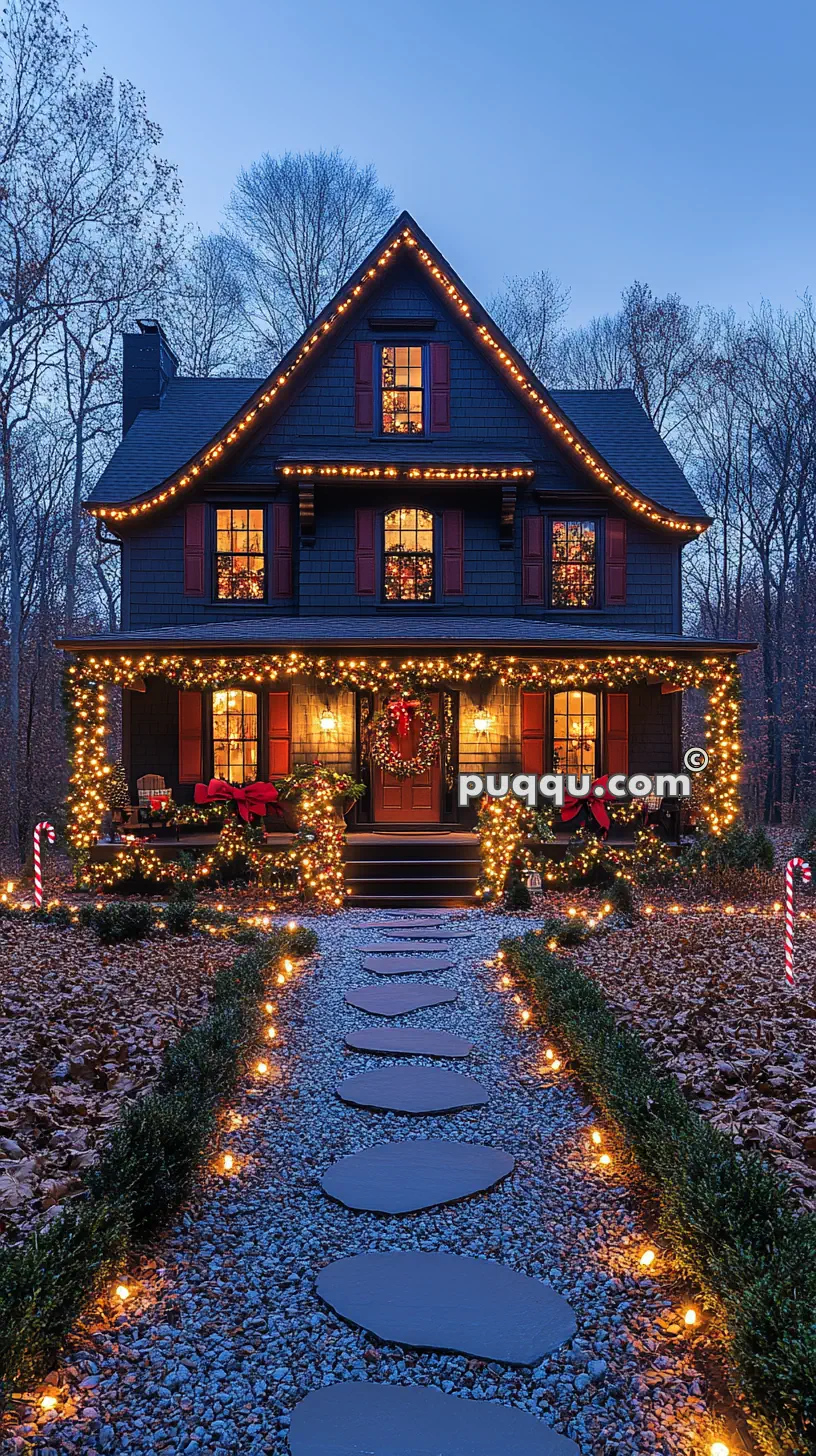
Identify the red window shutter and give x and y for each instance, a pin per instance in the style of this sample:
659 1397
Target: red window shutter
440 386
532 560
533 732
617 733
279 734
194 527
453 553
191 759
365 552
364 386
281 549
615 563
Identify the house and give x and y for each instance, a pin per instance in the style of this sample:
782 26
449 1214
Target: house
401 504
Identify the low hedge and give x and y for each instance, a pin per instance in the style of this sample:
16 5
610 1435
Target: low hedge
145 1171
731 1219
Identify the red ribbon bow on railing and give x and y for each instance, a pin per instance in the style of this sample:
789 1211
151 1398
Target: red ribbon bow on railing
253 799
594 802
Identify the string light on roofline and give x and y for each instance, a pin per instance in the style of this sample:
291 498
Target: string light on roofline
559 424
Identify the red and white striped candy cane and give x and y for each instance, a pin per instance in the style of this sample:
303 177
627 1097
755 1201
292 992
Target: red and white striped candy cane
792 864
49 829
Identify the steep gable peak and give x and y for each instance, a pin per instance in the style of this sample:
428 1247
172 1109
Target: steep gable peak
403 239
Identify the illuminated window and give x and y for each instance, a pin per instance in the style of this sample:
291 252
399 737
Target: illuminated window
575 733
401 381
239 555
235 736
573 564
409 556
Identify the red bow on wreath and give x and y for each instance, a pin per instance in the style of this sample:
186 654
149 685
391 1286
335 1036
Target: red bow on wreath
253 799
401 714
594 803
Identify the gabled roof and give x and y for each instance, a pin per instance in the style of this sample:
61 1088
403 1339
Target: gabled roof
261 405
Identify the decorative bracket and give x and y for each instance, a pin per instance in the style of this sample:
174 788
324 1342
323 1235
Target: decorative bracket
307 512
507 523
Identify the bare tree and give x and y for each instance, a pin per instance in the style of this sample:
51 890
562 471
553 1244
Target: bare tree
529 312
302 223
207 311
80 166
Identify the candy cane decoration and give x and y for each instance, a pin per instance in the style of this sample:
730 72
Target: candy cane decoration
49 829
792 864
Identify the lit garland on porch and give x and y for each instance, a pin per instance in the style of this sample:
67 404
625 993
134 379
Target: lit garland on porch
504 826
88 678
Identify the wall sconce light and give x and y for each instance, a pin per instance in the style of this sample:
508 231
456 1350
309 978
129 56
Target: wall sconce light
482 721
328 722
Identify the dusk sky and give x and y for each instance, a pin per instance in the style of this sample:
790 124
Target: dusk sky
649 139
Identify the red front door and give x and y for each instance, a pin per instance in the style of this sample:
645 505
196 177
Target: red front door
408 801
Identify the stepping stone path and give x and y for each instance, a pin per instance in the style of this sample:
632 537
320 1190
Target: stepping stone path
434 1301
391 925
422 933
397 1000
409 1041
404 947
449 1302
360 1418
404 1177
413 1089
405 965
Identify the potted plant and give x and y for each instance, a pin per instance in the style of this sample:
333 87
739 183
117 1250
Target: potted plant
308 781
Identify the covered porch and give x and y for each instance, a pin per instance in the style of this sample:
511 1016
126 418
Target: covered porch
508 697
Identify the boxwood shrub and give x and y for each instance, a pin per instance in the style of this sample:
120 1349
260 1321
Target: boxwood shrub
732 1221
145 1171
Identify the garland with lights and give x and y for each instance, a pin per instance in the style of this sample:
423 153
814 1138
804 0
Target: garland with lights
504 826
395 721
89 677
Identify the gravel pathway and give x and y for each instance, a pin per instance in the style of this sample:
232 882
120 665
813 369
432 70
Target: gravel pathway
226 1333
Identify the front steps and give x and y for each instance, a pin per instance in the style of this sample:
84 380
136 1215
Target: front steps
412 868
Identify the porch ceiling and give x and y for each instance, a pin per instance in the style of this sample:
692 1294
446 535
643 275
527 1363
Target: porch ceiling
455 634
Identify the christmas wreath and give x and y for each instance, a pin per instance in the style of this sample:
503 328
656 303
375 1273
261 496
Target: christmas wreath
396 721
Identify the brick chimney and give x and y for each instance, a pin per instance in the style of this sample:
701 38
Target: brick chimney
148 363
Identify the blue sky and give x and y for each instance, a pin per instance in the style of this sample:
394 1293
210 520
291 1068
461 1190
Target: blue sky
646 139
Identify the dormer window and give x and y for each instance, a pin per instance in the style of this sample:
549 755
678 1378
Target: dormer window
409 573
402 389
240 574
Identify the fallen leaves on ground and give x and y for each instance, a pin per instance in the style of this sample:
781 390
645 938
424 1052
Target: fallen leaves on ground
83 1027
707 992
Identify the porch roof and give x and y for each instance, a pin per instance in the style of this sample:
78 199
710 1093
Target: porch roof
510 634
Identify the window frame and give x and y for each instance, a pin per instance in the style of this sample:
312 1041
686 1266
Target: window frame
381 344
590 518
432 600
214 553
600 746
209 729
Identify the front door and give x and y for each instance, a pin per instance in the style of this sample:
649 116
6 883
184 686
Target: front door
408 801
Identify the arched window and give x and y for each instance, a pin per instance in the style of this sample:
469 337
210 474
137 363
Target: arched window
575 733
235 736
409 573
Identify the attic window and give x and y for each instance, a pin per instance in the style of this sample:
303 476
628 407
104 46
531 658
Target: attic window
402 389
239 555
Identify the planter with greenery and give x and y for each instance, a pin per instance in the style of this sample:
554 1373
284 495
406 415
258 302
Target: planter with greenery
732 1221
145 1171
301 782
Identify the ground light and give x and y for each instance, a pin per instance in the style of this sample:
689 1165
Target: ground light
719 1448
690 1317
647 1258
122 1292
596 1138
262 1069
228 1162
605 1159
48 1402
